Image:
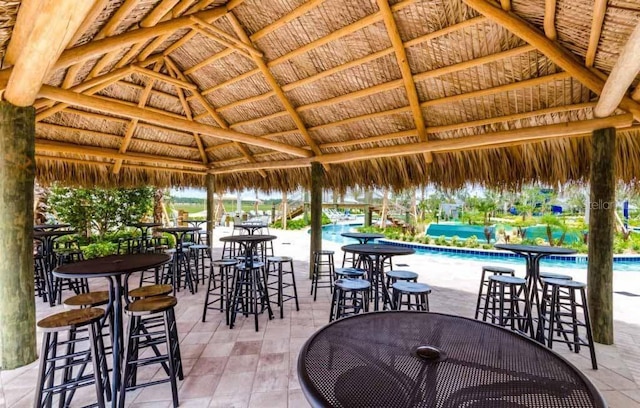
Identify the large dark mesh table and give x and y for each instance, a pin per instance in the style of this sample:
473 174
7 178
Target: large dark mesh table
371 360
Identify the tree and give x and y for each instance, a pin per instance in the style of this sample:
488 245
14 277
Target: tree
553 221
485 206
100 210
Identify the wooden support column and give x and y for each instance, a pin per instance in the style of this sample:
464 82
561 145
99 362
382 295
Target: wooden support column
211 208
317 174
17 297
285 210
368 196
601 230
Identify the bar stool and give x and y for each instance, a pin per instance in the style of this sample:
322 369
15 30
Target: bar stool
40 277
419 291
350 297
74 361
95 299
560 309
348 257
506 294
277 262
198 254
406 276
148 291
322 266
353 273
178 268
151 323
484 283
222 277
249 291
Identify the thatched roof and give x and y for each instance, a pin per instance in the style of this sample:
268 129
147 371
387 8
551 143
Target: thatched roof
396 93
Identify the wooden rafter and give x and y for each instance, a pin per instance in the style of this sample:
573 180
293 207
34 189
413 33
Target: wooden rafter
405 69
51 25
556 53
550 19
89 20
231 42
286 19
599 11
485 141
166 78
59 147
102 163
211 111
164 119
132 126
275 86
162 9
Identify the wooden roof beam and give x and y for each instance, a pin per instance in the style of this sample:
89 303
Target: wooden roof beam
134 112
165 78
484 141
52 25
162 9
622 75
95 12
286 19
599 11
211 111
59 147
405 69
102 163
275 86
270 165
556 53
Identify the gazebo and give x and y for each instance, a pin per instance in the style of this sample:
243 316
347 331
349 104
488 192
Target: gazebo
322 93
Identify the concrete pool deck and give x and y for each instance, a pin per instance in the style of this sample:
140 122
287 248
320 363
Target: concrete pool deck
244 368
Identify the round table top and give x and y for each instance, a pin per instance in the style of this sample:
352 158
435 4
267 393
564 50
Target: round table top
362 235
145 224
248 238
252 225
51 233
378 249
536 249
173 230
111 265
196 223
379 359
41 227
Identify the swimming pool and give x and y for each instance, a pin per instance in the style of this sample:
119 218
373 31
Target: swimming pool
332 233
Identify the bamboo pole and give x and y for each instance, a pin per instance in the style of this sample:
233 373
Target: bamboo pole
317 177
51 29
550 19
134 112
41 156
232 42
601 230
17 296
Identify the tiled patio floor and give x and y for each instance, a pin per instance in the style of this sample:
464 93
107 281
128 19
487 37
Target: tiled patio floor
245 368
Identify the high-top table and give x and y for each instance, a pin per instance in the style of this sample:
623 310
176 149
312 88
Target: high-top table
533 254
251 227
179 258
377 255
144 228
421 359
113 267
47 237
197 224
50 227
362 237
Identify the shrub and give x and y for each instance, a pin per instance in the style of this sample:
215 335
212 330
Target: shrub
471 242
99 249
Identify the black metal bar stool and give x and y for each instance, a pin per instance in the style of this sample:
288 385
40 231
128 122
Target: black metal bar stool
419 291
198 254
221 279
40 277
350 297
275 267
353 273
249 292
406 276
151 323
74 361
560 310
323 266
178 269
484 284
506 298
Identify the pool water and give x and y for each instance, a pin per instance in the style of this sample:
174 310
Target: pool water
332 233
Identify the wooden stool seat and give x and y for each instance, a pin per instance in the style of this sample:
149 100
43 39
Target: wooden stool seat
70 319
150 305
89 299
150 291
